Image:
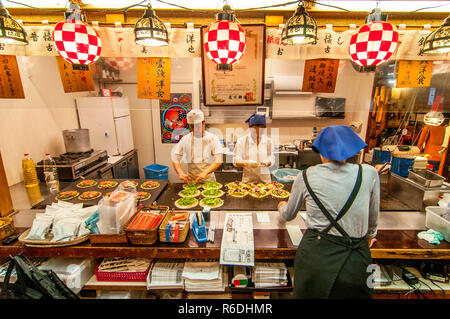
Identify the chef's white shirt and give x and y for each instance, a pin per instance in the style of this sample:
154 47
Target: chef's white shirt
262 153
205 149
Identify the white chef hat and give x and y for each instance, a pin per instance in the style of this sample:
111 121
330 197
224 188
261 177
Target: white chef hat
195 116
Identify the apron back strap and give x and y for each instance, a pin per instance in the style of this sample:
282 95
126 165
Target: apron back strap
333 222
351 199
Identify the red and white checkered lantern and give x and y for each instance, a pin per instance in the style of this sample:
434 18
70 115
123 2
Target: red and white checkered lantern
121 64
224 42
77 42
373 44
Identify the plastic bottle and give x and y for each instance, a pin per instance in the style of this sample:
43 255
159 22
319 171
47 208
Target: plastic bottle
29 172
206 213
51 174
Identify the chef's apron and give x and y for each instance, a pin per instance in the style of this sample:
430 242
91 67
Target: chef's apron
329 266
250 174
196 168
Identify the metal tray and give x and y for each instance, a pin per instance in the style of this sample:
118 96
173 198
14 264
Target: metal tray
426 178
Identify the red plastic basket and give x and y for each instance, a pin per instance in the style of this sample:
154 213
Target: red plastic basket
121 276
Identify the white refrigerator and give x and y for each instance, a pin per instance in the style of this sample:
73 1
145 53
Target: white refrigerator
109 123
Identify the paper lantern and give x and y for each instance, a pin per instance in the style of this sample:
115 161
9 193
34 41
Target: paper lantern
77 42
373 44
224 40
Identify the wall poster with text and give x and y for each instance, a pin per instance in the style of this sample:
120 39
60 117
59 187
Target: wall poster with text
244 84
174 117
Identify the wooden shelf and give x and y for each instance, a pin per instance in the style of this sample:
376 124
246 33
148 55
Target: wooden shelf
269 244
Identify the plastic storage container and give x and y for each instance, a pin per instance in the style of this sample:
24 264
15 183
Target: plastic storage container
381 156
74 272
285 175
402 165
435 221
156 171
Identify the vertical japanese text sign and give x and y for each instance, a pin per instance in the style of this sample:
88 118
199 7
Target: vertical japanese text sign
74 80
153 78
320 75
10 82
414 73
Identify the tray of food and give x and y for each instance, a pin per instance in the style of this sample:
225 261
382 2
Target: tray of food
231 196
142 227
89 192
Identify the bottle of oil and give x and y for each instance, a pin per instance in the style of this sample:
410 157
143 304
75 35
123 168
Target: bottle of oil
29 172
31 181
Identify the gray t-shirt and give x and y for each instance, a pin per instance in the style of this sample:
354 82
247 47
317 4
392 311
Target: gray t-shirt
333 183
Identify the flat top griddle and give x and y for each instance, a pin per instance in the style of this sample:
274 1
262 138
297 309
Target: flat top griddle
155 193
170 195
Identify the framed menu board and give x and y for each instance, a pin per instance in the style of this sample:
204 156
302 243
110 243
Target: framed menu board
244 84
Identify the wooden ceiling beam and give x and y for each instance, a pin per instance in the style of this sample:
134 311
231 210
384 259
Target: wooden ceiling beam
177 17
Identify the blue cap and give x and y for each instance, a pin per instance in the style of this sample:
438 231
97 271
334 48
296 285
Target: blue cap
338 143
256 119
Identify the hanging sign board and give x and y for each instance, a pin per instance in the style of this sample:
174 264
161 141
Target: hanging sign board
10 82
74 80
153 78
320 75
414 73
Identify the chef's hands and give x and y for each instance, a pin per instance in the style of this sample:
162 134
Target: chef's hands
371 241
184 177
266 164
201 176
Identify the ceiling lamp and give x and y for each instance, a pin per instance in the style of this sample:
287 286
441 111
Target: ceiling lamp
300 28
375 42
438 41
224 40
76 41
150 30
11 32
435 117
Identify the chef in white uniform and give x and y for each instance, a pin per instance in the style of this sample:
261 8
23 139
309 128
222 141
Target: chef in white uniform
254 151
201 151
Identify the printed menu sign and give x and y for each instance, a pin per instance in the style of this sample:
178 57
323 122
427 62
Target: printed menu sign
414 73
10 82
74 80
320 75
153 78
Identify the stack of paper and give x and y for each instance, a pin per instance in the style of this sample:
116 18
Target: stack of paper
269 274
166 274
203 276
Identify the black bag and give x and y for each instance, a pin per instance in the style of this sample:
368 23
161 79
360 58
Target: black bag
33 283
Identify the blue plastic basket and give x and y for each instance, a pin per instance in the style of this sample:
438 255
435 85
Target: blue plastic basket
381 157
280 173
156 171
402 165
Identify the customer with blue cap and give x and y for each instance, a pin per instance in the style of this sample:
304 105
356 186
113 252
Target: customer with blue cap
254 151
342 206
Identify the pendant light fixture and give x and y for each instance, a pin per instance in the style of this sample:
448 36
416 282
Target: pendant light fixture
224 40
435 117
375 42
300 28
11 32
150 30
76 41
438 41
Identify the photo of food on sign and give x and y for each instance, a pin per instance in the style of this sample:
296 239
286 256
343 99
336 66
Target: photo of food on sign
173 117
